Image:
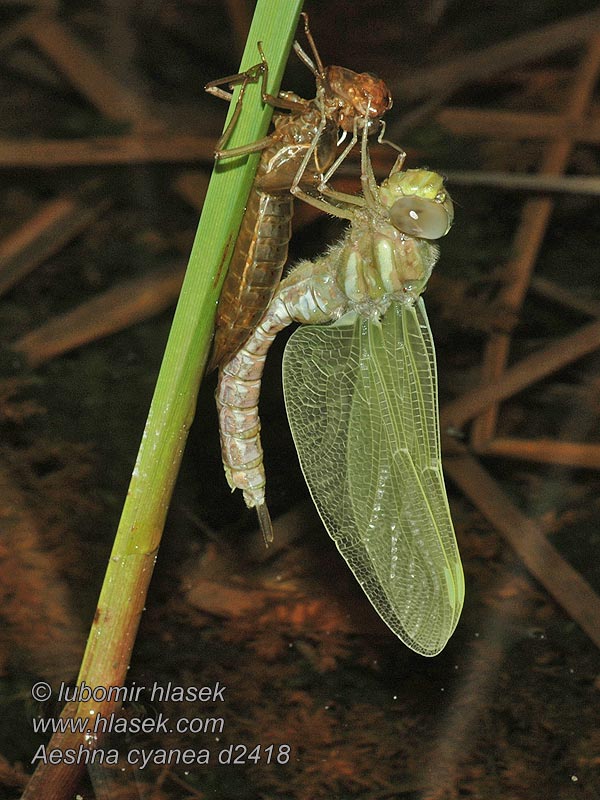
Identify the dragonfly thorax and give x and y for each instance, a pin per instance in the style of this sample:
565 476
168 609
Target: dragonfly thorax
379 264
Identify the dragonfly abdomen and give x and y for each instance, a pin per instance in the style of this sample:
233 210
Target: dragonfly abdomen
237 395
308 295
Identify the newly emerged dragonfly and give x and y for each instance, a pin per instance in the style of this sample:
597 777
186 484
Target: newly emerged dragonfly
303 146
361 398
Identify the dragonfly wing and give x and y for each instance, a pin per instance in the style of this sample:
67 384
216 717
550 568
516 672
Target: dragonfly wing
362 404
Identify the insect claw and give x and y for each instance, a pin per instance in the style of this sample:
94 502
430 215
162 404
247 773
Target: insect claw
266 526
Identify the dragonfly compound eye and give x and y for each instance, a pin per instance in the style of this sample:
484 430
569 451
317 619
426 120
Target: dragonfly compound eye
421 218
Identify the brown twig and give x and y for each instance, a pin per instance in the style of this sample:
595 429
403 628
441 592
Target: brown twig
132 149
107 313
498 58
524 373
530 236
37 611
85 72
560 294
546 451
510 125
44 234
526 538
540 184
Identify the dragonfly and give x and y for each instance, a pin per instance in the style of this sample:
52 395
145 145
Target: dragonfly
360 387
303 146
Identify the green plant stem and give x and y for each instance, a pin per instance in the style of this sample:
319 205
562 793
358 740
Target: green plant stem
128 574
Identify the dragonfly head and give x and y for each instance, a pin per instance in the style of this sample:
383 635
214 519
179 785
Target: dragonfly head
418 203
356 96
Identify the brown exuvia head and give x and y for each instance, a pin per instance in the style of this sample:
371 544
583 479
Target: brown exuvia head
357 94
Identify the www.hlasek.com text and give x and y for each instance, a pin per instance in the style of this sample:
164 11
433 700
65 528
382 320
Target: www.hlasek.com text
114 723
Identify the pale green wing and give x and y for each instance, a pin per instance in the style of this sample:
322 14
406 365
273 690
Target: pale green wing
361 398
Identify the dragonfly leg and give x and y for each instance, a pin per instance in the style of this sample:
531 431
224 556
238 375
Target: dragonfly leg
366 168
339 204
249 76
242 150
315 67
341 209
341 199
285 100
337 198
322 204
367 176
243 78
342 157
401 153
